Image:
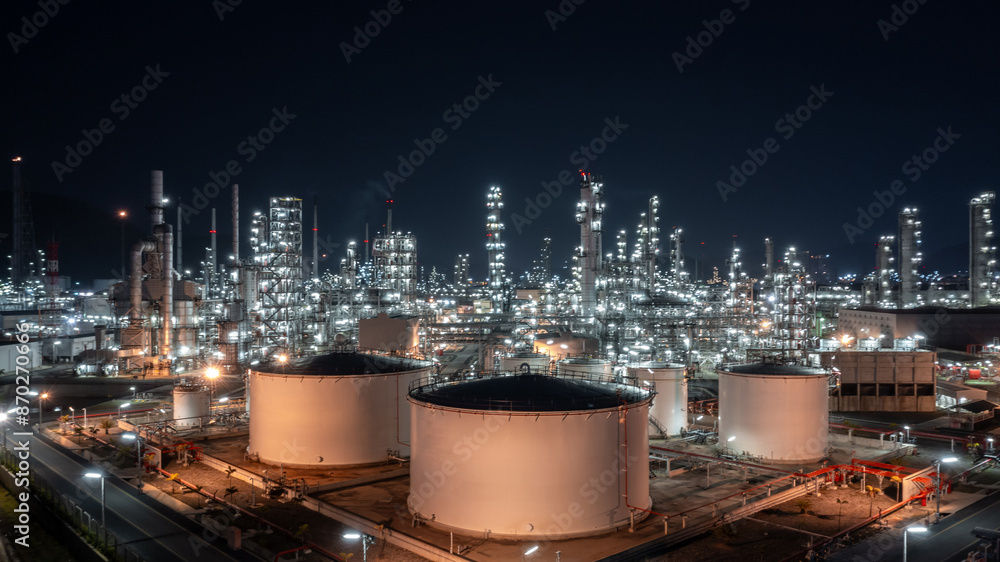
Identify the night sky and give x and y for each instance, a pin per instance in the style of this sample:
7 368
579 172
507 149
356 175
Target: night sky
215 75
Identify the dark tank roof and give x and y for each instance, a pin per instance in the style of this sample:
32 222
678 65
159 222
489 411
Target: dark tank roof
529 393
772 369
342 364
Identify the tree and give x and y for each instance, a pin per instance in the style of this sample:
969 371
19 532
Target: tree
872 492
840 511
105 424
803 504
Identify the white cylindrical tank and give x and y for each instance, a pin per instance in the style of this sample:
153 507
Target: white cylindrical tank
669 410
779 412
529 456
192 403
584 365
339 409
536 362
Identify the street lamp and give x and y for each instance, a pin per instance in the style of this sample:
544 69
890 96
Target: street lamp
367 540
84 418
103 521
132 388
906 532
55 344
907 428
125 405
530 551
73 412
138 456
3 420
40 405
937 490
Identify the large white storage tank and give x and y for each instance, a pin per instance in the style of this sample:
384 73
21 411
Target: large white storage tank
536 362
339 409
530 456
779 412
584 365
669 408
192 404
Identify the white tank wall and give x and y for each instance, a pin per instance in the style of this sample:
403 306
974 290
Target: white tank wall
538 363
191 404
589 366
670 403
522 477
779 417
314 420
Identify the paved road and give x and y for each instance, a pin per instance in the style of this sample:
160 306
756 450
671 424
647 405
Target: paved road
150 529
948 541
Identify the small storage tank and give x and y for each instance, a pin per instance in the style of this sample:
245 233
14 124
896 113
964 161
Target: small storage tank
529 456
338 409
584 365
669 410
779 412
536 362
192 404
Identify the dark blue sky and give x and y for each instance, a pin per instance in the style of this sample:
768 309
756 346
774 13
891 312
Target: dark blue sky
556 88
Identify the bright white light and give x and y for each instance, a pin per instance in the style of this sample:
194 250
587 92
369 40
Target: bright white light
949 459
916 529
699 418
92 475
352 536
731 438
530 550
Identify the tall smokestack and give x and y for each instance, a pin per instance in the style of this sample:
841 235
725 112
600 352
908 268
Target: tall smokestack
179 264
156 202
769 261
236 222
214 262
388 217
315 264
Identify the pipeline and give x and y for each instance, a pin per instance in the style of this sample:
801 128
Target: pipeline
135 304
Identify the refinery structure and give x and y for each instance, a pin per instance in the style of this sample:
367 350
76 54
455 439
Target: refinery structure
487 406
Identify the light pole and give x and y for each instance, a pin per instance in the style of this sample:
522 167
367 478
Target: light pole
125 405
907 428
103 520
84 418
906 532
138 455
367 540
40 405
132 388
55 344
3 420
72 420
937 490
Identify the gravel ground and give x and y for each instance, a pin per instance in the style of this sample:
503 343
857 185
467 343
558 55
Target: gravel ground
321 530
